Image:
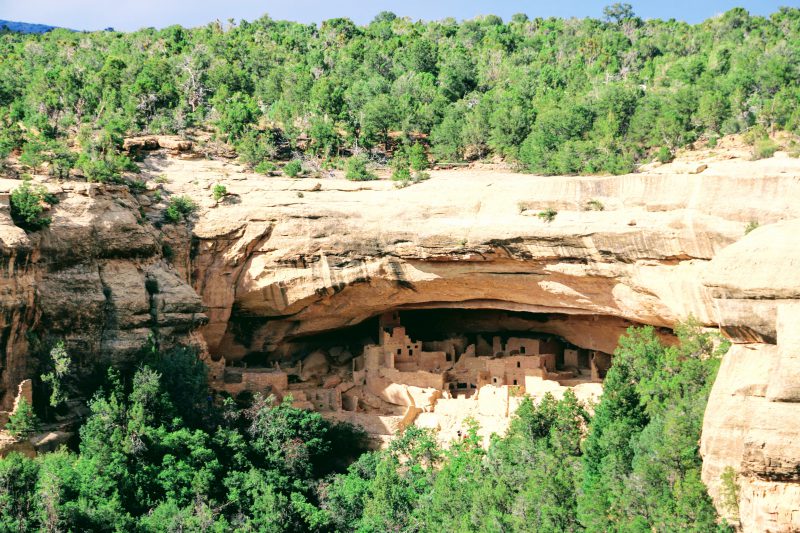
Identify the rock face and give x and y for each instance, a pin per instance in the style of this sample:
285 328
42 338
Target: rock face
95 278
280 260
751 423
285 259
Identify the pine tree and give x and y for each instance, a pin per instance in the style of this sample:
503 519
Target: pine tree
23 422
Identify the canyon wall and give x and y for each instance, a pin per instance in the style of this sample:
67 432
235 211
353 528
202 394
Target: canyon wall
280 259
96 279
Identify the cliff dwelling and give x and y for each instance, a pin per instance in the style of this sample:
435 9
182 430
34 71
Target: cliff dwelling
431 367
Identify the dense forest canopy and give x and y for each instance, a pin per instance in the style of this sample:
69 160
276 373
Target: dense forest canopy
553 95
156 455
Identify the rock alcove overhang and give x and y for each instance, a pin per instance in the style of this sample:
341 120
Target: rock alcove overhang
434 321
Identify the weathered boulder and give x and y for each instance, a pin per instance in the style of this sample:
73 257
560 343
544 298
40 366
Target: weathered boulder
154 142
314 366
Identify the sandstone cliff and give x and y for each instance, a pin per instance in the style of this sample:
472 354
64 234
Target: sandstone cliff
95 278
281 259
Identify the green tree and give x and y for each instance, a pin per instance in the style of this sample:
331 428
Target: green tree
219 192
60 368
357 170
293 168
28 205
618 12
22 422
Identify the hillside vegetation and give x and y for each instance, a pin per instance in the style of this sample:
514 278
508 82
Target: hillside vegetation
156 456
553 95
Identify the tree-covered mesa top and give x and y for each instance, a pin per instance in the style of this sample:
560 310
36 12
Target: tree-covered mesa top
554 95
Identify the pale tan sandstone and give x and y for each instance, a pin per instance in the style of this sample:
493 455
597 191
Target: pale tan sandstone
83 280
280 266
751 419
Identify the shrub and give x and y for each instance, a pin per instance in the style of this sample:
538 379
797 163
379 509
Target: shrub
401 174
104 164
417 157
219 192
136 186
755 134
548 215
421 176
22 422
179 208
753 224
595 205
60 364
27 206
730 491
256 148
357 170
265 167
33 154
764 148
665 155
293 168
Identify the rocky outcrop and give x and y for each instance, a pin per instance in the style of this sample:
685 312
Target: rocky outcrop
274 266
751 421
280 260
154 142
283 260
95 278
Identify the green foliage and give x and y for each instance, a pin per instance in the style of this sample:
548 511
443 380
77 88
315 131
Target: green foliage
257 148
556 96
618 12
730 490
664 155
60 368
764 148
753 224
293 168
23 421
641 455
156 455
595 205
219 192
28 205
401 174
357 170
265 167
417 157
179 208
137 186
548 215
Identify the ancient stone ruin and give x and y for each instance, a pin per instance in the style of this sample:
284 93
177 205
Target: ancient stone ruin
398 380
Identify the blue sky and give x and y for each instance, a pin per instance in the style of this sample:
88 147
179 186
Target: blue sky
134 14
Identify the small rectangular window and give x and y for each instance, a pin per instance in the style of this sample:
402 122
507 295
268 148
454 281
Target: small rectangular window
518 363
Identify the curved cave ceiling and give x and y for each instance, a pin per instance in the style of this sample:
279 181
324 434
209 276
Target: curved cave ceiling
248 337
